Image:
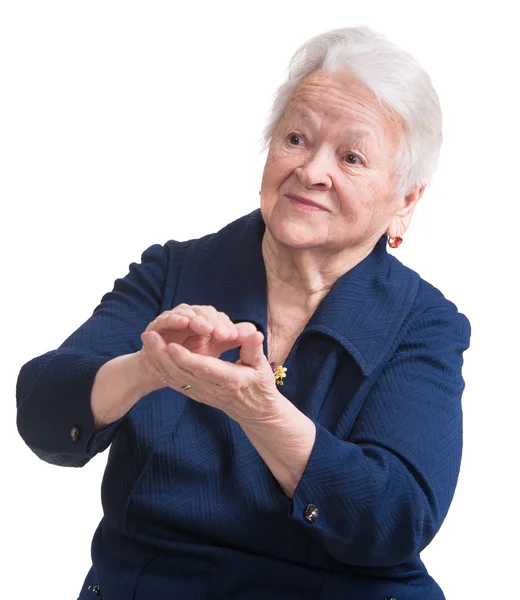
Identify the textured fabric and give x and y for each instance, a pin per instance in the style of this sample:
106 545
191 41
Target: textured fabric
190 508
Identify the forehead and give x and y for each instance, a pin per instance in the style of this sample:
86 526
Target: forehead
346 103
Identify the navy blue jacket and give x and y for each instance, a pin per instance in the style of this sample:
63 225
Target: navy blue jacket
191 510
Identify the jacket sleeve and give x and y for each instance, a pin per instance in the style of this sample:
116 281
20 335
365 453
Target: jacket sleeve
383 493
53 390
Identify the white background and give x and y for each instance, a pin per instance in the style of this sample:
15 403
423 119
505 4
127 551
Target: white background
124 124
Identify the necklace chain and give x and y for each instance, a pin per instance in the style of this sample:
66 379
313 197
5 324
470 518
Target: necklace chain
278 369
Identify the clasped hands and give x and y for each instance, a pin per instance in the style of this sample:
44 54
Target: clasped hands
182 347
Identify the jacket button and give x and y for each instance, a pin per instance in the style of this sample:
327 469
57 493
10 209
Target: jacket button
74 434
311 513
95 590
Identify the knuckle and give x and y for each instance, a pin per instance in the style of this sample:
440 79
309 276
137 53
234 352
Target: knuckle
207 308
202 372
204 313
184 312
225 318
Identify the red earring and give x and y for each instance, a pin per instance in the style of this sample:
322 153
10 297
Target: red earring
395 242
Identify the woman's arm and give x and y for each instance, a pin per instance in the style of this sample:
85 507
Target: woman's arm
285 443
118 385
383 493
55 416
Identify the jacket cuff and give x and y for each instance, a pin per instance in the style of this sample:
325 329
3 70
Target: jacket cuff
305 507
56 420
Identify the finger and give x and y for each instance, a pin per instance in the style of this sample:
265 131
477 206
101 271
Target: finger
199 320
200 367
197 323
170 373
144 358
251 352
168 321
203 321
224 328
246 328
201 325
178 321
183 308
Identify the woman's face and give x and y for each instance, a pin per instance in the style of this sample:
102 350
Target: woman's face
334 145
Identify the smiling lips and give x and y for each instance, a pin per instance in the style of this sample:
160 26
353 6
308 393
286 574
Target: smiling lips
302 202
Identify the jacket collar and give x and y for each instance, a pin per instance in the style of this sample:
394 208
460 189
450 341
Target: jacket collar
363 311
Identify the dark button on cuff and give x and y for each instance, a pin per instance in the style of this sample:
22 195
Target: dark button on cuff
95 590
75 434
311 513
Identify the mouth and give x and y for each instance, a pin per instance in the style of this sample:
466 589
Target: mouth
304 203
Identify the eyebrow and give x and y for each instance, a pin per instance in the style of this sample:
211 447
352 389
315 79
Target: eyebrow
355 133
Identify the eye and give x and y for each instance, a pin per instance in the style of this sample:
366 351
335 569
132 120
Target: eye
353 159
294 139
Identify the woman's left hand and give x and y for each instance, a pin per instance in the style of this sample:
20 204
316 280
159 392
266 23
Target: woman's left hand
246 391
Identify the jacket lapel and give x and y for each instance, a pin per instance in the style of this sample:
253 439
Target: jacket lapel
363 311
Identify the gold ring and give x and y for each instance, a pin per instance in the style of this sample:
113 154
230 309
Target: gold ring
184 388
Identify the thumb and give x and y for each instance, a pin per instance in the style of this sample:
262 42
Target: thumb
251 351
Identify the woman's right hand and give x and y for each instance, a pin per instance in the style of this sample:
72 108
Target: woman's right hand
200 329
124 380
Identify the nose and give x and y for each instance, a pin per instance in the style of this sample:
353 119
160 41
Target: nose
315 172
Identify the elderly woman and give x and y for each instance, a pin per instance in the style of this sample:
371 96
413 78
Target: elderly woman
282 397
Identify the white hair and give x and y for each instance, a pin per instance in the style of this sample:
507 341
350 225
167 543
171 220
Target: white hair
396 79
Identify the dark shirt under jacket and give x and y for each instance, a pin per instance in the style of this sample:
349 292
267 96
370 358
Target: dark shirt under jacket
191 511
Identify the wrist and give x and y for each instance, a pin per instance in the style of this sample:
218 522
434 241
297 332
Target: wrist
270 410
143 382
118 385
286 425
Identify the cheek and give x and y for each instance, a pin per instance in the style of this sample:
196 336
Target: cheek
268 173
277 169
361 197
357 194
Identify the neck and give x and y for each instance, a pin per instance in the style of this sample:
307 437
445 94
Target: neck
300 278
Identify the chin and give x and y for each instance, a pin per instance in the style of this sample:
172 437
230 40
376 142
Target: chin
291 233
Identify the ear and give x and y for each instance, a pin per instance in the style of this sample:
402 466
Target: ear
401 220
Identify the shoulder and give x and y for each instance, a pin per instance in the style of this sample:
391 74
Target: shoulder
431 309
223 239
